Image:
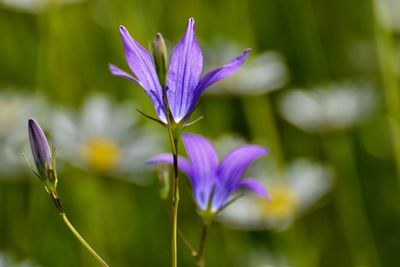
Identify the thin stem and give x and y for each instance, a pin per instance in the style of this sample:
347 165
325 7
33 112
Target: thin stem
183 238
175 204
386 49
83 241
200 254
57 203
174 135
174 138
187 243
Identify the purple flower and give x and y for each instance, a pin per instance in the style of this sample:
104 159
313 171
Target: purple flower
41 151
213 181
183 85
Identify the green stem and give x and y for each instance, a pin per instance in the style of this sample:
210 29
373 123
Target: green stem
174 139
174 135
57 203
183 238
388 65
200 254
187 243
83 241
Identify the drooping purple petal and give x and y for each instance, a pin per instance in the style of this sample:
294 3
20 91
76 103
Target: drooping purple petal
184 73
167 158
221 72
142 65
224 190
236 162
41 151
228 179
256 186
204 162
118 72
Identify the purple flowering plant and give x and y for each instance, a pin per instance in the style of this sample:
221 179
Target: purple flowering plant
182 84
174 85
214 181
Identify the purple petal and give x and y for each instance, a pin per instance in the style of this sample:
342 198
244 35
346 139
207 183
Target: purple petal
118 72
184 73
256 186
223 191
221 195
236 162
221 72
141 63
201 154
231 169
204 161
41 151
167 158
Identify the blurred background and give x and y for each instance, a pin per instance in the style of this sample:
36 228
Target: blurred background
320 89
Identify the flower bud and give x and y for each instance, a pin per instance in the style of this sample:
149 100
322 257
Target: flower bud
160 56
42 156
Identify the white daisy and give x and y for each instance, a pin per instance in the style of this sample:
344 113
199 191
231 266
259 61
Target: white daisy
15 110
35 6
262 258
7 261
105 138
293 192
332 108
388 12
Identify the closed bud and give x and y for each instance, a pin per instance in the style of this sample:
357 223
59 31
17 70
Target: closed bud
42 156
160 56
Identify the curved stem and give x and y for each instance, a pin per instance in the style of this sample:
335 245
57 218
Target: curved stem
200 254
57 203
83 241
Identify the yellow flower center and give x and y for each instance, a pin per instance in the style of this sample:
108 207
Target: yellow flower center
103 154
284 203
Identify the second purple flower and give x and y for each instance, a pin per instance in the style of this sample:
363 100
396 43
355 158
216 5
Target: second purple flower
183 82
214 181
